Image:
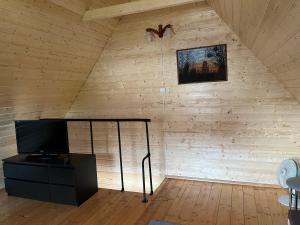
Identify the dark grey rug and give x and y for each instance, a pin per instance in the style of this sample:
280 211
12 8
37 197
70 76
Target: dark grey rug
156 222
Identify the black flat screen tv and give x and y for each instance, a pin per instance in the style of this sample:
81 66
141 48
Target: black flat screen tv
43 137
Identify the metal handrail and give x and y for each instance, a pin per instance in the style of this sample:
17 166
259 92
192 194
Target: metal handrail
148 156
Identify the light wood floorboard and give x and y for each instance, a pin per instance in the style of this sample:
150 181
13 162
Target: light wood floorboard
180 201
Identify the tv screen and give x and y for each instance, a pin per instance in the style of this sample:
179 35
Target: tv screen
42 136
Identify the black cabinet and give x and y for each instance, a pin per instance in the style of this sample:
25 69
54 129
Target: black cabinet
69 179
294 217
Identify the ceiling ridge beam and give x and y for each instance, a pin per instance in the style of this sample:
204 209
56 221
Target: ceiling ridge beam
132 8
76 6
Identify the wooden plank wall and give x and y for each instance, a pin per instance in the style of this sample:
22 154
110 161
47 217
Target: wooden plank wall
271 29
46 55
238 130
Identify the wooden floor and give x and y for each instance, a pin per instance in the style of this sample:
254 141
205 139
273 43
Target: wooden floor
179 201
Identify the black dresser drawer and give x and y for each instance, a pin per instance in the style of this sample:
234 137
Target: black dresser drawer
28 189
61 176
26 172
63 194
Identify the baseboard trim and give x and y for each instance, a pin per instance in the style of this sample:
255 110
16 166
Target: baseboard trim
225 182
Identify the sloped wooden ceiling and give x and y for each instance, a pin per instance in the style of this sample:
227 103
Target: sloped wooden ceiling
271 30
46 54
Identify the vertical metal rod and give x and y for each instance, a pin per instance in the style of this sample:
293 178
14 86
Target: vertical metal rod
145 200
120 154
92 138
290 198
149 158
296 200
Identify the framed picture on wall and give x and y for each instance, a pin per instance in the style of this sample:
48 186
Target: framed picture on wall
203 64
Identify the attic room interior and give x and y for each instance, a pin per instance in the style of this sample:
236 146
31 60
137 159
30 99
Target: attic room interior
149 112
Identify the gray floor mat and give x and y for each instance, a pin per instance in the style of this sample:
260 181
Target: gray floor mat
156 222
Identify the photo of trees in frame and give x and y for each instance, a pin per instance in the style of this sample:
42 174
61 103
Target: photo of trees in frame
204 64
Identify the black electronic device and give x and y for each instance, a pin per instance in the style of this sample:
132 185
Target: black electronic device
42 137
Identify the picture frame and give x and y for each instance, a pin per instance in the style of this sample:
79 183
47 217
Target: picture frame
202 64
